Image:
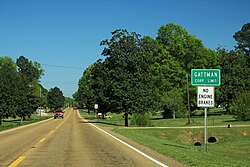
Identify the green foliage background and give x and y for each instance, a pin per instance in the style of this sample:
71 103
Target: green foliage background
142 74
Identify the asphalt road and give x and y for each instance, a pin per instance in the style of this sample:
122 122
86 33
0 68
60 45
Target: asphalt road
69 142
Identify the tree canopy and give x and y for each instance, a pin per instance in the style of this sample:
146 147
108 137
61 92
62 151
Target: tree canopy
20 91
243 39
142 74
9 91
55 98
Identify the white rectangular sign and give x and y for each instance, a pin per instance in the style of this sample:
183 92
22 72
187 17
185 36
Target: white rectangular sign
96 106
205 96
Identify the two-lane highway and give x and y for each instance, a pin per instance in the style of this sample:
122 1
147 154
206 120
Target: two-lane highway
14 142
66 142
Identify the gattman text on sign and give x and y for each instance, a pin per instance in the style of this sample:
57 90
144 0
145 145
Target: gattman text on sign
205 96
205 77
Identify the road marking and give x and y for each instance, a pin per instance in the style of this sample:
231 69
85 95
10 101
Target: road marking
52 131
42 140
24 126
18 161
128 145
133 148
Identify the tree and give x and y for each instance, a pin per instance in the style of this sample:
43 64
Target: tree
186 52
7 60
127 81
31 96
43 95
186 48
55 98
9 90
27 69
31 73
235 70
166 70
243 40
173 104
240 107
27 102
84 94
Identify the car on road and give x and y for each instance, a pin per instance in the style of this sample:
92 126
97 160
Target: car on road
58 114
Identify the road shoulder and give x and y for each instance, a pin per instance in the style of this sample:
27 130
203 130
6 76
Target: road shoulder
152 153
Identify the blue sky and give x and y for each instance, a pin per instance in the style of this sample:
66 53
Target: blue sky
68 32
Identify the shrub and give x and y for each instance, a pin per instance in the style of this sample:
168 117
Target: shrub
140 120
173 104
240 106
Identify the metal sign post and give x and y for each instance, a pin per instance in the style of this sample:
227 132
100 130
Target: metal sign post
205 98
205 79
205 135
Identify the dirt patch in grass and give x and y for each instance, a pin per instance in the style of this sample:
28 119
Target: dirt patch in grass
189 137
244 133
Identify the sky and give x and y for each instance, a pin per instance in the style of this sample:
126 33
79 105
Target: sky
64 35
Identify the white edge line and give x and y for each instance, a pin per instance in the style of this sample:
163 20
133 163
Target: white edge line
128 145
23 126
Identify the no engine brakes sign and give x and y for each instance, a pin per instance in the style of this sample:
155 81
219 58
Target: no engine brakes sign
205 96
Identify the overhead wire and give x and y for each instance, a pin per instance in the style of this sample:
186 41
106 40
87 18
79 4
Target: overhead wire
59 66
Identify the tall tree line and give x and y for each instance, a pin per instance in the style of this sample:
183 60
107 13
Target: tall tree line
20 91
142 74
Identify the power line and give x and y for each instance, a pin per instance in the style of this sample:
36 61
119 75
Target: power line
59 83
57 66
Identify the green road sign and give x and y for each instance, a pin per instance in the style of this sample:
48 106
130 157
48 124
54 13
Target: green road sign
205 77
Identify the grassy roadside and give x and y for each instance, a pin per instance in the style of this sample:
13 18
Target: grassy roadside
231 149
157 121
13 123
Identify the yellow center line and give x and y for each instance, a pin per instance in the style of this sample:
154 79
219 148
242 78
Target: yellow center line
52 131
42 140
18 161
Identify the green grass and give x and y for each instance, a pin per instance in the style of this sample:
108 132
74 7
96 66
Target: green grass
157 121
114 120
12 123
231 149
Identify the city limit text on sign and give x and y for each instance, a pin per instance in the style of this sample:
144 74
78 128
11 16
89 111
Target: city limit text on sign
205 77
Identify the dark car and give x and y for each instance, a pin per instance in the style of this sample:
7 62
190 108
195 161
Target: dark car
58 114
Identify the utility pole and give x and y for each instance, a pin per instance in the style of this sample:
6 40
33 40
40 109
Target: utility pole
40 91
188 112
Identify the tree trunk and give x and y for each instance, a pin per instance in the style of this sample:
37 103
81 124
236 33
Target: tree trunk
126 119
1 120
227 108
21 120
189 110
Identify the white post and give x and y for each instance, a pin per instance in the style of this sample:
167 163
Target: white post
205 135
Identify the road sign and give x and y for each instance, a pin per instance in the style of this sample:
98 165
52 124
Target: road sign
205 96
205 77
96 106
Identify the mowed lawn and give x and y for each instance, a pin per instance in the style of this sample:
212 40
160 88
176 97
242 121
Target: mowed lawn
231 149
